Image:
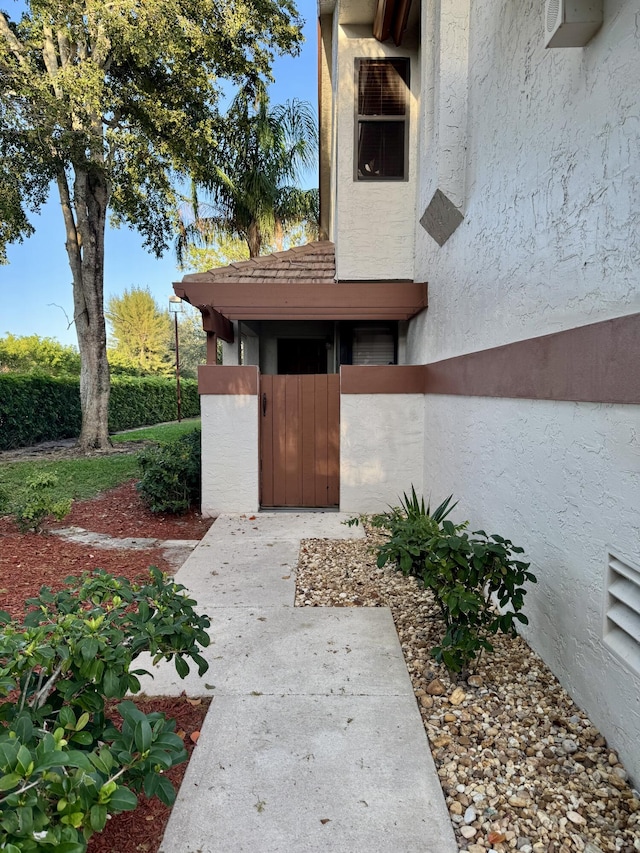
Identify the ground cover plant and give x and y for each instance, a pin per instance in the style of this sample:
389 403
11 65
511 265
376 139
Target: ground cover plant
477 580
64 768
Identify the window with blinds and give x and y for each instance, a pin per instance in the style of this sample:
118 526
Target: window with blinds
373 345
382 119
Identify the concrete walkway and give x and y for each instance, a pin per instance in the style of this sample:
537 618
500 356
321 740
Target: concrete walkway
313 741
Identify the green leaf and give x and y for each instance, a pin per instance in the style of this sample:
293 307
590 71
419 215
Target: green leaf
98 817
165 791
11 780
122 800
111 684
182 667
83 738
23 759
89 648
23 727
143 736
150 783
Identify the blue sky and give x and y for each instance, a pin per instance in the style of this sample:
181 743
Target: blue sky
35 287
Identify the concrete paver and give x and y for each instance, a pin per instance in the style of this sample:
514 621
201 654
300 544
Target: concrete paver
313 741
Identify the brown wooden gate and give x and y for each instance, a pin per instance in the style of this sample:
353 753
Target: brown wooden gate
300 440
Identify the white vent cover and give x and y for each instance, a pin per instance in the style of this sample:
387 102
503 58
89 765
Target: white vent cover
571 23
622 611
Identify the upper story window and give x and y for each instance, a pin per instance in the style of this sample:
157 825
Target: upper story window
382 120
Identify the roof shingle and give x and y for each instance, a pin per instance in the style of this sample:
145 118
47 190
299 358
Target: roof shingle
314 263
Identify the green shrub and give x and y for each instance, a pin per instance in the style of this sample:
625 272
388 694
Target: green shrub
466 575
171 474
141 400
411 526
64 768
35 502
35 408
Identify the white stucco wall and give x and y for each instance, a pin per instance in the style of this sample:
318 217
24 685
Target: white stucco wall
381 449
230 448
551 237
373 214
550 241
563 481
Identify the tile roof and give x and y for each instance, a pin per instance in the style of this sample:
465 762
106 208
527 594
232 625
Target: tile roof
314 263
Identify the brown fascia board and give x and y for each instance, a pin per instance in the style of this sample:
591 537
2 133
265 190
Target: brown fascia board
361 300
383 19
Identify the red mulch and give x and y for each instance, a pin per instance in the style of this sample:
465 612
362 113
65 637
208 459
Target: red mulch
29 560
120 512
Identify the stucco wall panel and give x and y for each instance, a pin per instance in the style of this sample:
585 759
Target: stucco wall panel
563 481
230 463
381 449
551 237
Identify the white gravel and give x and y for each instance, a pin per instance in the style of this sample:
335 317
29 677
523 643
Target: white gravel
521 767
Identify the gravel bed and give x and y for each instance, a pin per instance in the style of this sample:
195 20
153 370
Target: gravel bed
521 767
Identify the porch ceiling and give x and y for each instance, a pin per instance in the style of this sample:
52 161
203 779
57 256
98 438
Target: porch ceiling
299 284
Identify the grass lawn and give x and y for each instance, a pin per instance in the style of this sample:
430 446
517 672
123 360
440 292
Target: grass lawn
84 477
159 432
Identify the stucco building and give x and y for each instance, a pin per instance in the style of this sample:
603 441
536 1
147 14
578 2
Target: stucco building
466 165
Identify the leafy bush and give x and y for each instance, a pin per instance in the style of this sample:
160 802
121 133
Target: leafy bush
411 527
142 400
35 502
36 408
64 768
466 575
171 474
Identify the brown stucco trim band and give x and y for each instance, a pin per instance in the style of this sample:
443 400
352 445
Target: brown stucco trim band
231 380
598 363
384 379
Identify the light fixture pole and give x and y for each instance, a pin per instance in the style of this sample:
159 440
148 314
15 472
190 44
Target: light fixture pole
175 308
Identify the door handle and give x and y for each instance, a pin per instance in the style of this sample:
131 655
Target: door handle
264 405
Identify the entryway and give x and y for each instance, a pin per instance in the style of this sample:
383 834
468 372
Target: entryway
300 440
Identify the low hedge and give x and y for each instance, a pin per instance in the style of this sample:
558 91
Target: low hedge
36 408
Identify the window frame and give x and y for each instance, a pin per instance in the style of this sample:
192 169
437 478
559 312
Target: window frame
386 119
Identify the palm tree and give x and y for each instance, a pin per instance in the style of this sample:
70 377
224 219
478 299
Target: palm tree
253 191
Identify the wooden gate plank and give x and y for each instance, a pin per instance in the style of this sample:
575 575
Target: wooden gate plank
279 441
293 468
321 441
266 442
308 436
333 440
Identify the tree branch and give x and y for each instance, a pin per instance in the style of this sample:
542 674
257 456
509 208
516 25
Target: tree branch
51 60
43 694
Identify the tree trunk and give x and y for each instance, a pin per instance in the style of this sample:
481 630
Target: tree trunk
254 240
85 222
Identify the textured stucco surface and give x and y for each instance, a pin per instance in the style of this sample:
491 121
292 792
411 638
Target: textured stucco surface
563 481
230 464
381 449
373 214
550 241
551 237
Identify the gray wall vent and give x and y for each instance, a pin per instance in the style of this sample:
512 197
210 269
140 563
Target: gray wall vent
622 611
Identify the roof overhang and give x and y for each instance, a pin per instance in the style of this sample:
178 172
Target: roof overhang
354 300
